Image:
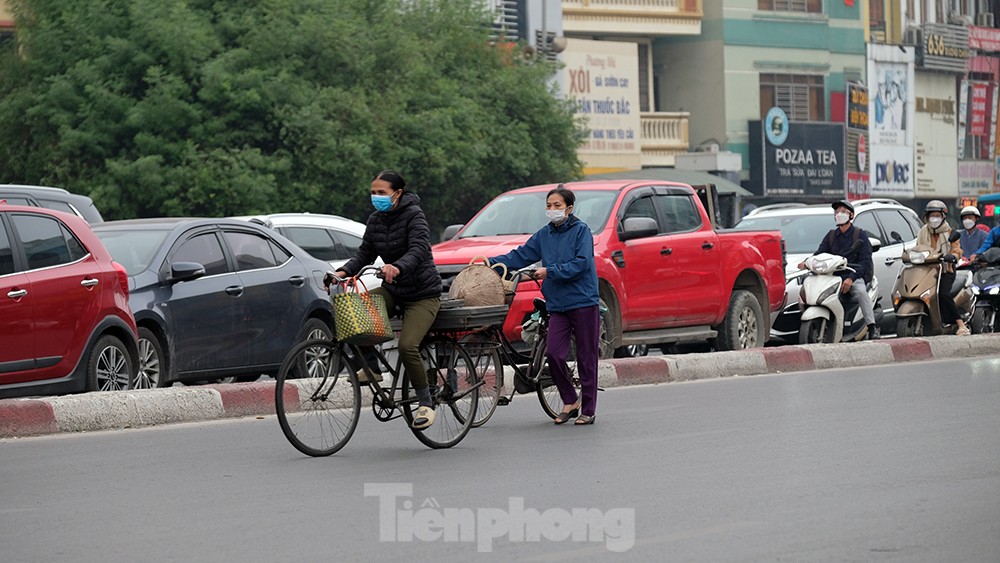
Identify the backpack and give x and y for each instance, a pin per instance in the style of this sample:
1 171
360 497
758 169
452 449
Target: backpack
858 231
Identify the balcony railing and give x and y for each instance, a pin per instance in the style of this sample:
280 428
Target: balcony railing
664 134
633 17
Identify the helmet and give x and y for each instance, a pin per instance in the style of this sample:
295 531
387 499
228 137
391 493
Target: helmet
970 210
843 203
936 205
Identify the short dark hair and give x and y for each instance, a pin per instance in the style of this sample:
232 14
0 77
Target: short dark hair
395 180
567 196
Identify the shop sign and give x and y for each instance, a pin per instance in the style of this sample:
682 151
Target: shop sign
986 39
977 113
944 47
858 186
857 106
975 177
808 163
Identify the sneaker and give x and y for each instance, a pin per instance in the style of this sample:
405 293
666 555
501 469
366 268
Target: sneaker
423 417
963 331
874 332
363 376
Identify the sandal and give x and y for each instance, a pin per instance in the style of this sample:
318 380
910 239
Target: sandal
585 419
564 416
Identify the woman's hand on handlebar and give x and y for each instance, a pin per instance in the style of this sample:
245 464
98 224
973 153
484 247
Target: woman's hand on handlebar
389 273
330 278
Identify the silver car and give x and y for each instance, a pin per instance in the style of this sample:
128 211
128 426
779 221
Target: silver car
889 224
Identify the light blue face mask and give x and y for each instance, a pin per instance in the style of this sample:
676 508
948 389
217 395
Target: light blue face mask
382 202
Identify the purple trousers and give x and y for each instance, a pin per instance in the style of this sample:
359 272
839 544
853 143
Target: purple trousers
584 325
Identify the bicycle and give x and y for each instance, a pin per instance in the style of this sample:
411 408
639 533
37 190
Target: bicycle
318 396
493 355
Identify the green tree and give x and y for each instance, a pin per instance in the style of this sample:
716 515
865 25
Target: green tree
249 106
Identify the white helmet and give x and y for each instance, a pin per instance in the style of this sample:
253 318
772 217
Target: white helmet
969 210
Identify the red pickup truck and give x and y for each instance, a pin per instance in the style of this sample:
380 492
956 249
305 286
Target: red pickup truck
666 274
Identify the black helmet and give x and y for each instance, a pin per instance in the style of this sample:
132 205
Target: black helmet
936 205
843 203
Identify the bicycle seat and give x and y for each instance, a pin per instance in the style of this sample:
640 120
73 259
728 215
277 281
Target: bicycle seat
540 305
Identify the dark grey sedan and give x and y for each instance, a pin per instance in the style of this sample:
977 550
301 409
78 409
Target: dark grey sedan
216 298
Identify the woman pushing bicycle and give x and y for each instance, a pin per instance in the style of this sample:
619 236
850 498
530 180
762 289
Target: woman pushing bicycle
565 247
398 232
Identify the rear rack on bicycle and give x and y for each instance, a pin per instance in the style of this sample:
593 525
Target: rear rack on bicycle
464 318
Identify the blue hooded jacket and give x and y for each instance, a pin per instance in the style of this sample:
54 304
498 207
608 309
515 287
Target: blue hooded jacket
567 253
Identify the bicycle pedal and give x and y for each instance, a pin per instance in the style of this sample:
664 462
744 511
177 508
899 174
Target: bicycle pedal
503 401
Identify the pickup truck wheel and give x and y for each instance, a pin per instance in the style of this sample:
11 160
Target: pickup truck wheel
605 349
743 327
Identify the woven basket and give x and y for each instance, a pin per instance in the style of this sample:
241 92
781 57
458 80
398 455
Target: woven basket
478 284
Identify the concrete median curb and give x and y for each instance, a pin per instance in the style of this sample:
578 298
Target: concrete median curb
132 409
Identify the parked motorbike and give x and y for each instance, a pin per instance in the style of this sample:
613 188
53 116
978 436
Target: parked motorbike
915 295
986 288
827 314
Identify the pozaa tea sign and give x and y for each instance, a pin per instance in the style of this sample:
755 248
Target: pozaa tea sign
808 163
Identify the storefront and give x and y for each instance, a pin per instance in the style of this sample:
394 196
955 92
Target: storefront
978 137
941 62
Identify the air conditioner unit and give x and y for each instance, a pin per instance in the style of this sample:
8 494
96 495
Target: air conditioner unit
958 18
984 19
912 36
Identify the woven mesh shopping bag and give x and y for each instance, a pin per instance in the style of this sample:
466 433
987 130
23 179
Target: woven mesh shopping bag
361 317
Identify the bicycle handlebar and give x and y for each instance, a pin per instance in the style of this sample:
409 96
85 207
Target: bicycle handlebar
331 277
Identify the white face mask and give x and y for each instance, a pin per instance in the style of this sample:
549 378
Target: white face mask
969 223
556 215
841 218
934 222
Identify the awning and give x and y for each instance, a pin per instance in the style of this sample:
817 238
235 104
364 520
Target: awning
691 177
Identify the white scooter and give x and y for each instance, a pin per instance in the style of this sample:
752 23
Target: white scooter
827 314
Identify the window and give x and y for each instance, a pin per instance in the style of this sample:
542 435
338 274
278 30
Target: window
348 244
642 207
644 101
679 212
893 222
15 200
251 251
811 6
867 222
316 241
280 254
58 206
876 15
800 95
205 250
6 253
46 241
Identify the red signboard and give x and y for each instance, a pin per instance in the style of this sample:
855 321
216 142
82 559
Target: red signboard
984 39
980 97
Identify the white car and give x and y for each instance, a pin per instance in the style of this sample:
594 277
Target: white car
890 224
331 238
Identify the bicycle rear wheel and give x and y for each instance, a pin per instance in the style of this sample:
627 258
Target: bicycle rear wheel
489 369
548 393
454 387
317 398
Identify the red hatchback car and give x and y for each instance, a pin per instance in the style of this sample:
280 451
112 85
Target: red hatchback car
65 321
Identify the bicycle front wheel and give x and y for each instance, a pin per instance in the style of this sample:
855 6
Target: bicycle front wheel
489 369
317 398
548 393
454 386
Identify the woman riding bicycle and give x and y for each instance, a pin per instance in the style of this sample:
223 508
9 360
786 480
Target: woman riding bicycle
565 248
398 232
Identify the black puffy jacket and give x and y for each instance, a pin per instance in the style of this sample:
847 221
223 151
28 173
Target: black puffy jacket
402 238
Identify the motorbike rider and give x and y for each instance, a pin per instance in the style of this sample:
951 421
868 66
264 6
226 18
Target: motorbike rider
972 236
840 241
935 234
992 239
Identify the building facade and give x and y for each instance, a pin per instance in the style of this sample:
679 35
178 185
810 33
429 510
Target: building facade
755 55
